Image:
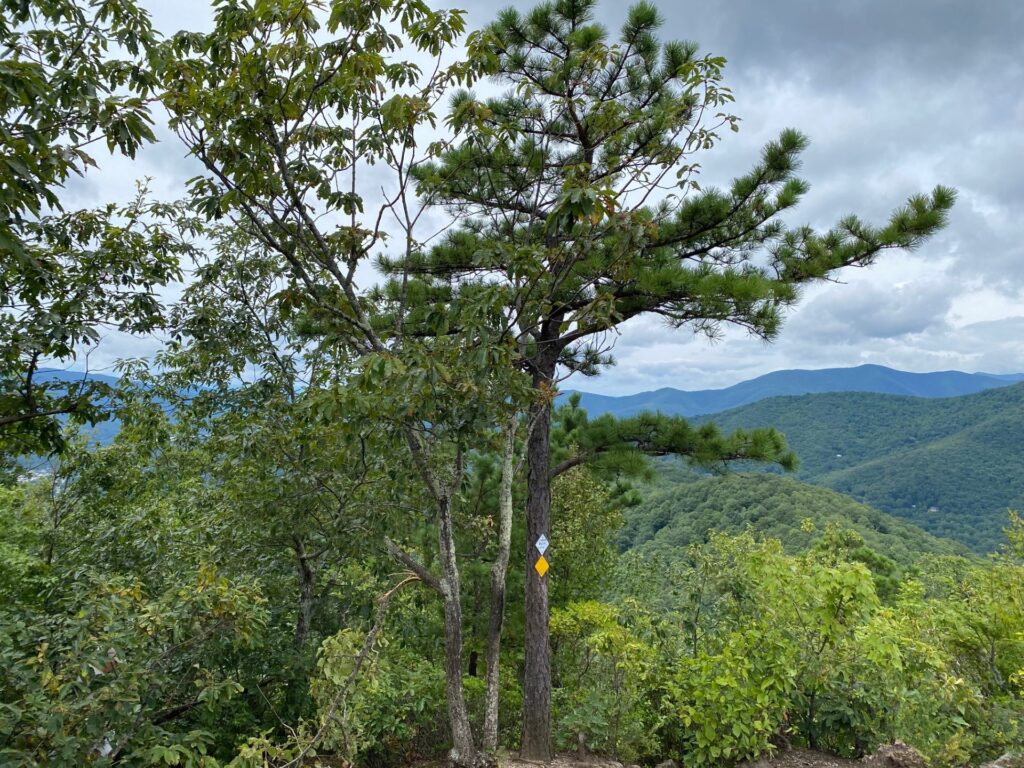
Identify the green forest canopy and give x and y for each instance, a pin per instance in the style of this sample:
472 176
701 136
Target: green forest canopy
951 465
674 515
297 545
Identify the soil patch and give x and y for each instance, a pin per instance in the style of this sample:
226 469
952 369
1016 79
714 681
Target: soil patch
896 755
802 758
890 756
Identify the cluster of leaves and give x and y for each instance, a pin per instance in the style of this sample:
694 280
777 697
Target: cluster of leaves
607 664
98 670
164 597
72 74
740 649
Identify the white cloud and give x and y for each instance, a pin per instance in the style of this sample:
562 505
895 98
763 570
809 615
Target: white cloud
896 97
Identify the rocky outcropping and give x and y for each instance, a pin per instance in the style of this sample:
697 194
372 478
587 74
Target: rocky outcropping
1007 761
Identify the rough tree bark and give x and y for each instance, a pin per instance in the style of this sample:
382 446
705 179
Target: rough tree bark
307 589
536 742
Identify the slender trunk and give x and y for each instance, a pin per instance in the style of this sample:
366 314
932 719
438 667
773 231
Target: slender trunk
307 588
463 750
536 742
812 733
498 572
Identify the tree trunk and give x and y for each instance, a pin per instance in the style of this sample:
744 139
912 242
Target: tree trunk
536 743
498 572
463 750
307 588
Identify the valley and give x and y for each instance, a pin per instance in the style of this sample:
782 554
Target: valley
950 465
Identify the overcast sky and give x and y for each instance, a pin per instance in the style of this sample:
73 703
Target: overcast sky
896 98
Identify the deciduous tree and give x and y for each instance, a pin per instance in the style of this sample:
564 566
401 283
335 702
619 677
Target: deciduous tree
72 74
301 113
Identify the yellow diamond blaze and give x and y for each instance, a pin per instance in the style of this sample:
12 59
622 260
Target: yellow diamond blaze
541 566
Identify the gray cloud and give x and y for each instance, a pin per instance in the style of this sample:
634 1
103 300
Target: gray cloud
896 98
873 311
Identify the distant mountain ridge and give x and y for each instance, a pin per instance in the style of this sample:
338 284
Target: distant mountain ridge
943 451
57 374
676 402
863 378
103 432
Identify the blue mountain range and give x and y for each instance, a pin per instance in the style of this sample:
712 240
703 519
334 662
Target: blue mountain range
863 378
54 374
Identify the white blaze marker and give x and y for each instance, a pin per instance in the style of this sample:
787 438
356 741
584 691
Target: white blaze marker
542 544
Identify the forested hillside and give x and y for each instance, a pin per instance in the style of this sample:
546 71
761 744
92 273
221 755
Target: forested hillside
950 465
676 515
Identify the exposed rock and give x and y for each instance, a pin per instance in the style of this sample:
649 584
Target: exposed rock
897 755
1007 761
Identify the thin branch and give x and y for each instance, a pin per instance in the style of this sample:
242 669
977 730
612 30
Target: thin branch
413 565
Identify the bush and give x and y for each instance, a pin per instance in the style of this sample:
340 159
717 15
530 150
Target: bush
605 668
753 649
107 672
728 706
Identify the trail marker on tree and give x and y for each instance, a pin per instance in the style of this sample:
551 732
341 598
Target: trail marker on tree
542 565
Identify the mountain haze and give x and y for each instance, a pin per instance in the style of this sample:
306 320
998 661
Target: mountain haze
864 378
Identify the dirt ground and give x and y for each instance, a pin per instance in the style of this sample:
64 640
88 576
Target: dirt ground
799 758
895 756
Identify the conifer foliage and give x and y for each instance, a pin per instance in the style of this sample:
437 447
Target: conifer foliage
578 190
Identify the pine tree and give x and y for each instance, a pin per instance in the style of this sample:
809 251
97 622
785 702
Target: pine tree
578 196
